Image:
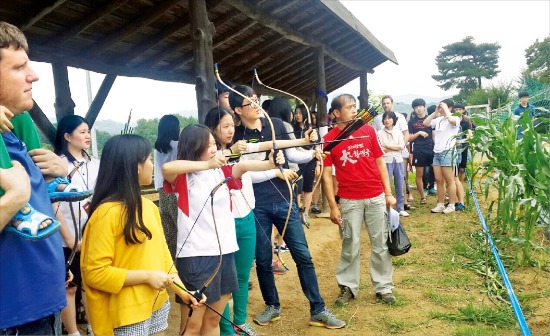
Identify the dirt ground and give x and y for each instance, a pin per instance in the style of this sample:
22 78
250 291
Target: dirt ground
429 270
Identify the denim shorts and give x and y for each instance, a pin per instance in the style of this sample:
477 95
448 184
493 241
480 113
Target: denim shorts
445 159
195 271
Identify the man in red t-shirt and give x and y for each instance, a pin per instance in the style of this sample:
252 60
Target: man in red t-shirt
365 194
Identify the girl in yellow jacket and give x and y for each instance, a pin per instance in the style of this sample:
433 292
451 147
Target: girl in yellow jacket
125 262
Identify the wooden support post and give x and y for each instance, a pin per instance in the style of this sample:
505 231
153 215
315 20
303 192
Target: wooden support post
99 99
363 91
319 63
64 104
42 122
202 32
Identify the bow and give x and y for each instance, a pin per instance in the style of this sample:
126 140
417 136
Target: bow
274 142
362 118
309 127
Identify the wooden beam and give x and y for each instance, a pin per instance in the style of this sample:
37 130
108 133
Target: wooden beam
153 59
37 17
319 67
363 92
188 56
43 123
203 30
89 19
64 104
276 9
266 47
131 27
99 99
302 58
40 54
156 39
249 9
308 75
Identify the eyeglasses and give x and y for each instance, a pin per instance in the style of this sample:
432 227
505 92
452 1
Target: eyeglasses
252 101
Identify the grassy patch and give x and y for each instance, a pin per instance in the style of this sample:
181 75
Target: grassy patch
456 280
501 317
438 298
392 325
475 331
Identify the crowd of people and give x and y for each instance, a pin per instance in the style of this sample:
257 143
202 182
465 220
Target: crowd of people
225 186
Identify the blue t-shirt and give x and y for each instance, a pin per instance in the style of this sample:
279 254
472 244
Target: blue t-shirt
32 273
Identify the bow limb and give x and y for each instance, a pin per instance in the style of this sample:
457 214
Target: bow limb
308 117
274 141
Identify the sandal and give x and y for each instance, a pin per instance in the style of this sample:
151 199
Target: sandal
423 201
409 207
29 228
71 193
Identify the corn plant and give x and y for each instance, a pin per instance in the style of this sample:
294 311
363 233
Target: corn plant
518 169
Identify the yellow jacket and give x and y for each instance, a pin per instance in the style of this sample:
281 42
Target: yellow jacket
105 258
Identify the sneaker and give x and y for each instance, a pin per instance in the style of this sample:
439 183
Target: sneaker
403 213
426 192
450 208
438 208
305 219
409 207
432 192
326 319
315 209
278 268
283 248
385 298
246 330
345 296
271 313
459 207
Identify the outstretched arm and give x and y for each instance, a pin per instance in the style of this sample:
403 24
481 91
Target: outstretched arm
172 169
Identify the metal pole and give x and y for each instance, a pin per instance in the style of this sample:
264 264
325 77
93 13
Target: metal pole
93 130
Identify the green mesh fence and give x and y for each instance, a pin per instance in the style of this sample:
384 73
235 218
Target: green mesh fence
539 96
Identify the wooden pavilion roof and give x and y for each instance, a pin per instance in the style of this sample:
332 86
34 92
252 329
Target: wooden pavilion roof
153 39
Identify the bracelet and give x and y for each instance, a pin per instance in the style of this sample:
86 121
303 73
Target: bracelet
389 195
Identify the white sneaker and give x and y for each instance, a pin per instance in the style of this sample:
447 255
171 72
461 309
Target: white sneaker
450 208
403 213
438 208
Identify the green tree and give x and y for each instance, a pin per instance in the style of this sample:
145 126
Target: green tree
148 128
101 138
537 56
497 95
463 64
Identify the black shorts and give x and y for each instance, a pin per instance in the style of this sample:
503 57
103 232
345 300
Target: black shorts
75 267
463 159
308 177
422 159
195 271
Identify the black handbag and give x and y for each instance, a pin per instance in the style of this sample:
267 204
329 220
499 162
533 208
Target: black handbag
398 242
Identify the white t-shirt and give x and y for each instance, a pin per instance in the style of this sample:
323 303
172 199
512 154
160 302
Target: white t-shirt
401 125
194 201
86 177
161 158
444 133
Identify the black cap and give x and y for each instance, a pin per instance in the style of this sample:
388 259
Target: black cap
523 94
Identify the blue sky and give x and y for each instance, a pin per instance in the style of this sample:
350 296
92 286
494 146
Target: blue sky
415 31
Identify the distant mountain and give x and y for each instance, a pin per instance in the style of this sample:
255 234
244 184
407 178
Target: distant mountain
402 104
408 98
110 126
